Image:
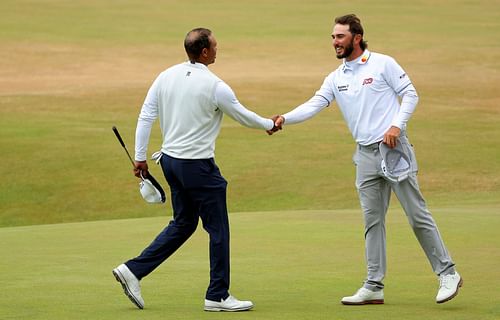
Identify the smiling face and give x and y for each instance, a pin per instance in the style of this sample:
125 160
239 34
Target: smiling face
346 44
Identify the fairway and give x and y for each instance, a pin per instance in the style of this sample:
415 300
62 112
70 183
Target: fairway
292 264
70 70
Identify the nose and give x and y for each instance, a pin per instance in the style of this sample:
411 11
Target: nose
334 41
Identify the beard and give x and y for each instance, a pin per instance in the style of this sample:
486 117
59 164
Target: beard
347 50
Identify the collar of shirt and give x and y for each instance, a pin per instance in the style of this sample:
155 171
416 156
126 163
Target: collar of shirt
362 59
196 65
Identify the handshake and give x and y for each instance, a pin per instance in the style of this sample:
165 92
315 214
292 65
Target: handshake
278 124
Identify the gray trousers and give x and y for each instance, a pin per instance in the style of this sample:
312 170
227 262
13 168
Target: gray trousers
374 194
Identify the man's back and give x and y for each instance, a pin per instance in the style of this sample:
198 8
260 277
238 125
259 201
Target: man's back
189 117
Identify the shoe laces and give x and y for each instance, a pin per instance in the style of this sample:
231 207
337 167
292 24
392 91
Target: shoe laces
443 280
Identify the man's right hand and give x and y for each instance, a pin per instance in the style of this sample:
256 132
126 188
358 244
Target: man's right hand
391 136
278 124
140 166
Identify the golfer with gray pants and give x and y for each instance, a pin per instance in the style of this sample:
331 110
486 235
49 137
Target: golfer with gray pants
374 191
367 87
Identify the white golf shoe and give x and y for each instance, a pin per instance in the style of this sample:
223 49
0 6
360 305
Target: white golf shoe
230 304
130 284
364 296
448 287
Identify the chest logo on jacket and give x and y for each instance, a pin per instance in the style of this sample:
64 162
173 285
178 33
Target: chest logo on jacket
343 88
367 81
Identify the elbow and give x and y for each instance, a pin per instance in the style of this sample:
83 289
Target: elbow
144 118
411 96
415 98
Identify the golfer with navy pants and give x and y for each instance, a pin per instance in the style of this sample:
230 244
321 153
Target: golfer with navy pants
198 191
189 101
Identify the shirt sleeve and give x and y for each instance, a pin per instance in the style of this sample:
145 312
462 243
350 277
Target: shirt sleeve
402 85
147 116
226 100
321 99
408 104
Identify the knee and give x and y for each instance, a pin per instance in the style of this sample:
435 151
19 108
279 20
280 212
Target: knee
186 227
218 236
372 217
422 220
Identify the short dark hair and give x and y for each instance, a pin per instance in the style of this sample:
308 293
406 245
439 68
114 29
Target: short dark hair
355 27
196 40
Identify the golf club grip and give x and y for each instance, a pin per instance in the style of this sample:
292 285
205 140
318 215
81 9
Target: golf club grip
118 136
115 130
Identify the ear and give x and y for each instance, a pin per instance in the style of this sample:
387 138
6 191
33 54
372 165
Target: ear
358 38
204 52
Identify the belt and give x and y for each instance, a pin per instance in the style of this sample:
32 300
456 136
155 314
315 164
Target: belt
369 147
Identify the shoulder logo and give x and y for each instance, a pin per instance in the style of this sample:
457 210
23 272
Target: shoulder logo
188 73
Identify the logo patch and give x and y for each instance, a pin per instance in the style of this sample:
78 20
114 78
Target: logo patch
188 73
367 81
343 88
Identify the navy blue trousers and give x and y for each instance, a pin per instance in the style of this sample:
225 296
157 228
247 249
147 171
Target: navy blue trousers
198 190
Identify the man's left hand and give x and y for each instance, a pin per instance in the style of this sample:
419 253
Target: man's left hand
391 136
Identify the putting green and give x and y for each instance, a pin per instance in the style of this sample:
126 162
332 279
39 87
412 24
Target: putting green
292 264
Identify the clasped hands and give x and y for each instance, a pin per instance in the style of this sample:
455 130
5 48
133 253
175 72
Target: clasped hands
278 124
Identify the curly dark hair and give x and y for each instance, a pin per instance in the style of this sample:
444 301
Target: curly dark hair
355 27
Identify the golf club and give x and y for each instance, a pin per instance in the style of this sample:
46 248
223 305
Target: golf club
115 130
150 189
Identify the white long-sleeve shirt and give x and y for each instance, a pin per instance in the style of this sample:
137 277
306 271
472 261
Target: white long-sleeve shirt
366 91
189 101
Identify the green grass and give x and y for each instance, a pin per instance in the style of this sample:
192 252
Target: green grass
292 264
70 70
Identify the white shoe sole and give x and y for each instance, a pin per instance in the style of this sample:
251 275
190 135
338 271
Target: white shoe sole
216 309
119 277
454 294
361 303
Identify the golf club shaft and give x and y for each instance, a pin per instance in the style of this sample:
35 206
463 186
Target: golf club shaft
118 136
